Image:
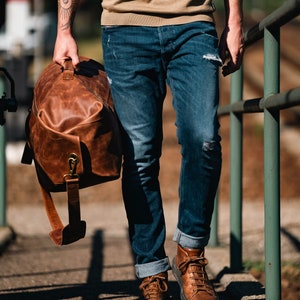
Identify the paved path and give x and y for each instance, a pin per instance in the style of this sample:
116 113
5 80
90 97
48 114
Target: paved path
100 265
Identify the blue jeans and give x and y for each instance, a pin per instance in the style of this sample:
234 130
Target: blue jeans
139 61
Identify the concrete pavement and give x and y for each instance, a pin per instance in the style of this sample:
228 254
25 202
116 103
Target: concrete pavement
101 267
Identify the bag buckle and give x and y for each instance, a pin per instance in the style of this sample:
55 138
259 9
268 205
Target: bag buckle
72 161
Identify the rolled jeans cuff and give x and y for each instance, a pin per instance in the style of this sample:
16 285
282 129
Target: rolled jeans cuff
187 241
152 268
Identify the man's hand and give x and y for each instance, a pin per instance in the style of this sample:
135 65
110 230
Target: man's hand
231 49
65 47
232 39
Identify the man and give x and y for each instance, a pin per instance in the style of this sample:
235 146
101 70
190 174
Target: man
146 44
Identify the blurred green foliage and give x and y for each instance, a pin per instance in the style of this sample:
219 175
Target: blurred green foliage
264 6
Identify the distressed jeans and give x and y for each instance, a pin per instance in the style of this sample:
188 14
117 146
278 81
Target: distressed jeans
139 61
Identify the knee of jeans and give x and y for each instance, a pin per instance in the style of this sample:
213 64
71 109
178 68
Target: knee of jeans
210 146
196 148
199 139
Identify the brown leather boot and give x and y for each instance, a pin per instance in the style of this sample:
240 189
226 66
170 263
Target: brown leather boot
189 270
155 287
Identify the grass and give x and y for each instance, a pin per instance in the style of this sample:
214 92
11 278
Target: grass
290 271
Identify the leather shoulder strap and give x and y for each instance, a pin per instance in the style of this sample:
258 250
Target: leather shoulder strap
75 230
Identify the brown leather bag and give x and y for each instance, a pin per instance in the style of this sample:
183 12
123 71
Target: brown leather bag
73 137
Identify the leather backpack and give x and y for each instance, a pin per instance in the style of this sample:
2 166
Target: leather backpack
73 137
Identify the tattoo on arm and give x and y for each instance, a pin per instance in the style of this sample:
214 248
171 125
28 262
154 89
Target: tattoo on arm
66 11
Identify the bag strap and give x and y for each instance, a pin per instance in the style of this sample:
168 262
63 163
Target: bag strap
75 230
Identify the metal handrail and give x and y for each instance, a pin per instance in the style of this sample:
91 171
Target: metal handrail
270 104
284 14
277 101
6 104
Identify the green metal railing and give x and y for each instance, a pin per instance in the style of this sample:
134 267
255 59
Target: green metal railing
2 168
10 105
271 104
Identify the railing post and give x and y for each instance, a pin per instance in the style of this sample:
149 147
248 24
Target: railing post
214 239
272 167
236 132
2 166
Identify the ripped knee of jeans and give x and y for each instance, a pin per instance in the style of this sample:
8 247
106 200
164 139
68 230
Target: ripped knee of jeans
209 146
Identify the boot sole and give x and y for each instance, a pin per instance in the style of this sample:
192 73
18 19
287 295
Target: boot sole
177 276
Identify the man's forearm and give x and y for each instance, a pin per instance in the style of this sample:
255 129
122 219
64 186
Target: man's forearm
234 11
66 15
65 44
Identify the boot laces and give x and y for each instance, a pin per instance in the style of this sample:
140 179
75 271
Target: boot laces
154 286
198 277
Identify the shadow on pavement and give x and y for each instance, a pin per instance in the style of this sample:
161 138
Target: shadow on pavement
32 268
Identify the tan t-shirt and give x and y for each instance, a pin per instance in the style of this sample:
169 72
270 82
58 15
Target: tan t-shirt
156 12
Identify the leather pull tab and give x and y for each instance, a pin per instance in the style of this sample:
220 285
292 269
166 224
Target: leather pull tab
68 70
